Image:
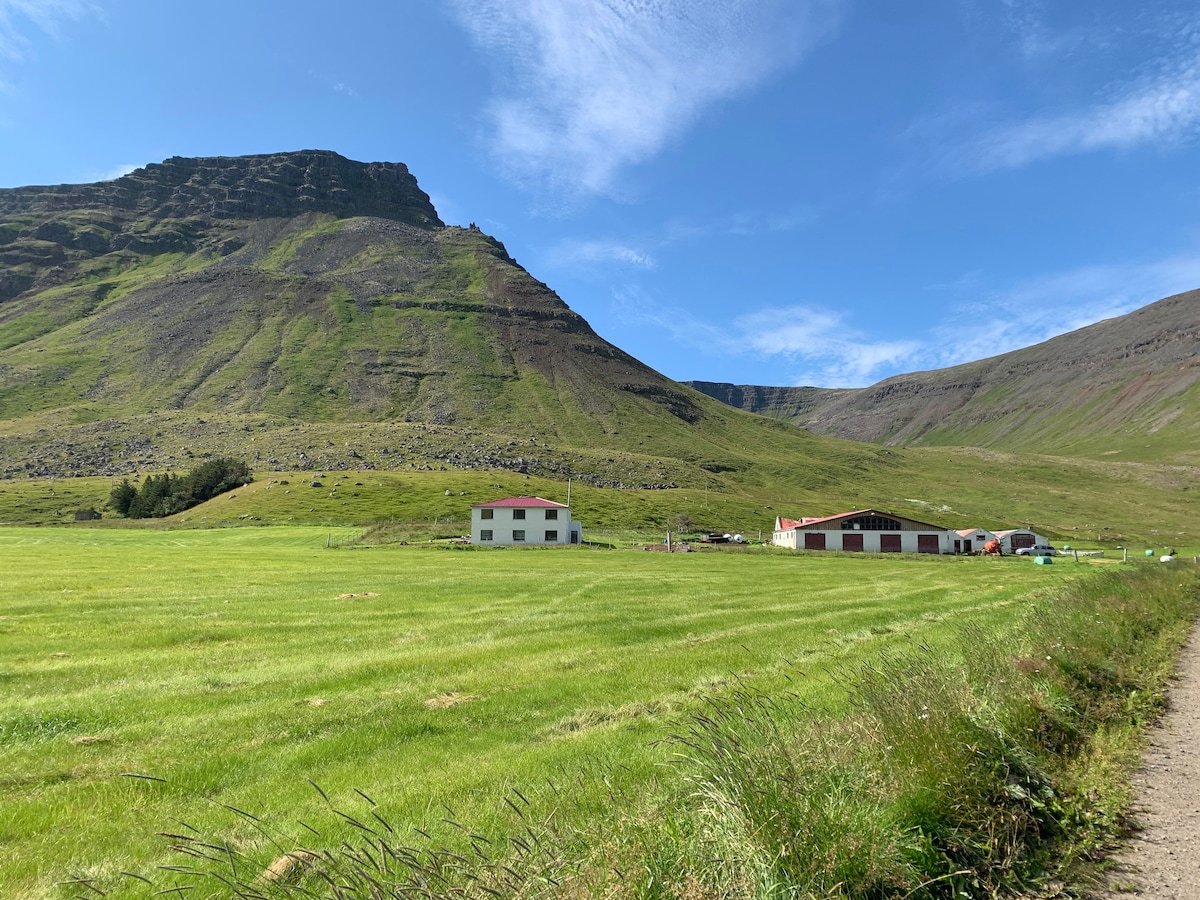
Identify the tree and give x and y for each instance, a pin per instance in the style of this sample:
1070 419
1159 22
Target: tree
165 495
122 497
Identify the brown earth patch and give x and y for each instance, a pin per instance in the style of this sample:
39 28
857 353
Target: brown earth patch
445 701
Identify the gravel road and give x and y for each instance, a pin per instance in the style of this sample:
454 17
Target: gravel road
1163 861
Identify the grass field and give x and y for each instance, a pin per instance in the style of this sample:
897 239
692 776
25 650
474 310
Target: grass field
237 664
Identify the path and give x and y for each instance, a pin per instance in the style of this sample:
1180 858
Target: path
1162 862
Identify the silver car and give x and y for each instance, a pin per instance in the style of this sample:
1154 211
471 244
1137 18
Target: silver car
1037 550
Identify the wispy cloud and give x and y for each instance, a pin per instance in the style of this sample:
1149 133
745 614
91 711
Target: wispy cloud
573 253
640 251
822 347
47 16
818 345
1158 110
1040 308
589 87
118 171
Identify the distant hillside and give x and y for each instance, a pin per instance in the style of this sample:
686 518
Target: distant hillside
1123 388
316 311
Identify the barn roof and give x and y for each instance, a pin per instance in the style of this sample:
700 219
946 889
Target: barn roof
815 524
523 502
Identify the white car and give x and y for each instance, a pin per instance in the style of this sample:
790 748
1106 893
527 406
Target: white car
1037 550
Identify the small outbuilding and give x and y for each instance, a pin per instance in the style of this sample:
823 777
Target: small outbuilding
1015 539
864 531
523 521
971 540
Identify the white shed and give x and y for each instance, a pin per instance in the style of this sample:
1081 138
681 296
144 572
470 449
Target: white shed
971 540
1015 539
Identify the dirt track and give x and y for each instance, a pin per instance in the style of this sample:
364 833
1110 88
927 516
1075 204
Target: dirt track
1163 861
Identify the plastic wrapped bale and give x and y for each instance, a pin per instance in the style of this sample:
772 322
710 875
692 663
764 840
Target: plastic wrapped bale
1043 560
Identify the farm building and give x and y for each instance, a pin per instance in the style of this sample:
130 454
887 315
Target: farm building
971 540
864 530
523 521
1018 538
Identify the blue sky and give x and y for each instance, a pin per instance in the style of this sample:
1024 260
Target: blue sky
816 192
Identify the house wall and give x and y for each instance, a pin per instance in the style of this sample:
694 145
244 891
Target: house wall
504 524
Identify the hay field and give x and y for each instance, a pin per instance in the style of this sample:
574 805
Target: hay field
235 666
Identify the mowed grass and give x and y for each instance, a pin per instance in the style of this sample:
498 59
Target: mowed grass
238 664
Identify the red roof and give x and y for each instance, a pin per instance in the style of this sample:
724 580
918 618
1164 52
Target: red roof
527 502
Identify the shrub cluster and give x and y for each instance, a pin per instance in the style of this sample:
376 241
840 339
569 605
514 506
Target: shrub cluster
165 495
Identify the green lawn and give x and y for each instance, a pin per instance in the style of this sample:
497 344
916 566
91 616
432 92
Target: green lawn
237 664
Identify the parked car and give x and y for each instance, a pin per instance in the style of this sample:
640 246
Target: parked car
1037 550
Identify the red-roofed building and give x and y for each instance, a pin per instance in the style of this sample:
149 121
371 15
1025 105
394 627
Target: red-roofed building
971 540
523 521
864 531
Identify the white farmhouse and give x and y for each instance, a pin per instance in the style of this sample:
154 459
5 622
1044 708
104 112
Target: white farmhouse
864 530
1018 538
523 521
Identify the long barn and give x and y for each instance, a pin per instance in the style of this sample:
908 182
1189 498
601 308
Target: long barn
864 531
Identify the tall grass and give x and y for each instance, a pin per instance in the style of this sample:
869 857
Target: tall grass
994 765
982 773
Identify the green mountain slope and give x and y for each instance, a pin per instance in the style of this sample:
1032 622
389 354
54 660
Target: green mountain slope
1125 388
213 305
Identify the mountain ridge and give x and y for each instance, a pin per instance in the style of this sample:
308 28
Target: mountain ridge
1102 390
131 355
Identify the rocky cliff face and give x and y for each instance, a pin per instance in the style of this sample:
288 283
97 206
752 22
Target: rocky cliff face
276 185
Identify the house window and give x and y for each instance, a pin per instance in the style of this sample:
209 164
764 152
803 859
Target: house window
552 514
519 534
552 536
486 513
485 534
518 513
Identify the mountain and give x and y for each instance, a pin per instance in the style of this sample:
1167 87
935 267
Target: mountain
1125 388
317 310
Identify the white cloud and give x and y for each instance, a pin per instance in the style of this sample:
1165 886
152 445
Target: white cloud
574 253
592 86
821 347
17 16
818 344
1038 309
639 252
1163 109
119 170
832 353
